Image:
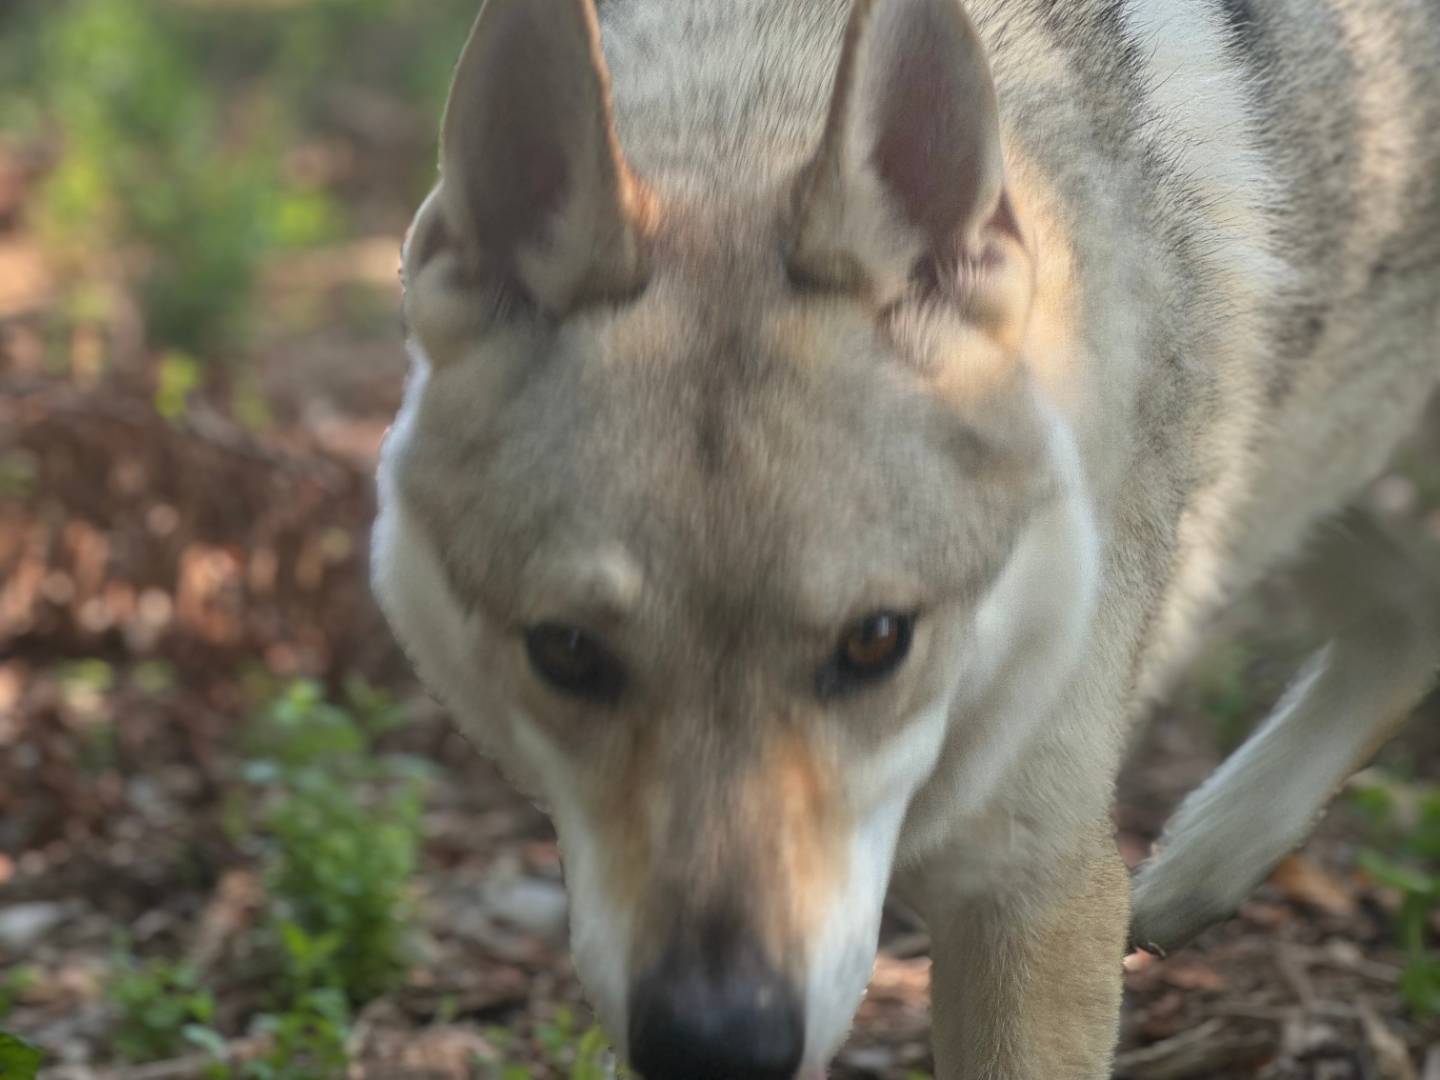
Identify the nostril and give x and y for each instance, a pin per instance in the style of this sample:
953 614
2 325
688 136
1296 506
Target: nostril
698 1028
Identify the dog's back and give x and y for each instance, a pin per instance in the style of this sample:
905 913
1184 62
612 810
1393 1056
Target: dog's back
1345 100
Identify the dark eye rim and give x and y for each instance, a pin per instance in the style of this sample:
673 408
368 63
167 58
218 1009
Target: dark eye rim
599 682
839 676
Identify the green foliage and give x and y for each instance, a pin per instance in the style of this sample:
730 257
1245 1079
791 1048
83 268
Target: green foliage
148 170
156 1003
561 1046
177 376
84 679
338 825
17 474
308 1039
14 983
1405 857
153 677
176 122
342 825
18 1059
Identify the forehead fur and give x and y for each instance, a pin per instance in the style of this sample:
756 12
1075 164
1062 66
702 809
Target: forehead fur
724 430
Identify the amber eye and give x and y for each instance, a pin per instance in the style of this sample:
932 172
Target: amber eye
573 662
869 650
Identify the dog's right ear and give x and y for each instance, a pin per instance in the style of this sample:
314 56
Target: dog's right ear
908 184
535 204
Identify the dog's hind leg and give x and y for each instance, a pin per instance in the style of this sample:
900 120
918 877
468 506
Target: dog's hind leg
1027 982
1349 699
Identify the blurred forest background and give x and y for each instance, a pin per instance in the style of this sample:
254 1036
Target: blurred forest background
235 838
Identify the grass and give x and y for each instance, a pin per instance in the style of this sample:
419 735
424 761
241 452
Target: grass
1404 856
560 1047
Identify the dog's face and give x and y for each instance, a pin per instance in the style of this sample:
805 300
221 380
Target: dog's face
697 513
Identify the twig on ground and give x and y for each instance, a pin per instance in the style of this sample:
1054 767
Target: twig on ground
1328 957
1290 963
1201 1051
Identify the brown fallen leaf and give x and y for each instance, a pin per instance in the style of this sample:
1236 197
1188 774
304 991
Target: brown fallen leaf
1303 881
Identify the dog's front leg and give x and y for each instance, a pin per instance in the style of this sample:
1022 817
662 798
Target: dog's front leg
1027 982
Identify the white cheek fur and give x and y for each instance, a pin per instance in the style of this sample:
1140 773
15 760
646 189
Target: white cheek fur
1026 640
444 642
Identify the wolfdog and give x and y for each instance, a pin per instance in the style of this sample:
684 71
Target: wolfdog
831 423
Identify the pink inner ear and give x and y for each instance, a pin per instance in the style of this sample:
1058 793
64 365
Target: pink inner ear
936 149
518 205
520 176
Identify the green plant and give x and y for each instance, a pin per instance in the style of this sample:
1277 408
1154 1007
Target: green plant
18 1059
159 1004
339 830
17 474
562 1047
174 128
171 167
14 983
1404 856
307 1039
342 825
140 169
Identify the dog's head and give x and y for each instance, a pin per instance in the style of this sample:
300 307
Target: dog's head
708 509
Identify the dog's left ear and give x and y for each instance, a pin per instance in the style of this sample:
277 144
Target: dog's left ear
908 185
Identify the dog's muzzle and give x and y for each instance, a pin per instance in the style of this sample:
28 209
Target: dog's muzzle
702 1015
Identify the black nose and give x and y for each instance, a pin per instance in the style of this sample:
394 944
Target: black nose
732 1020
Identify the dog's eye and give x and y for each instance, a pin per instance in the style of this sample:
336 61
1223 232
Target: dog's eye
869 650
573 662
